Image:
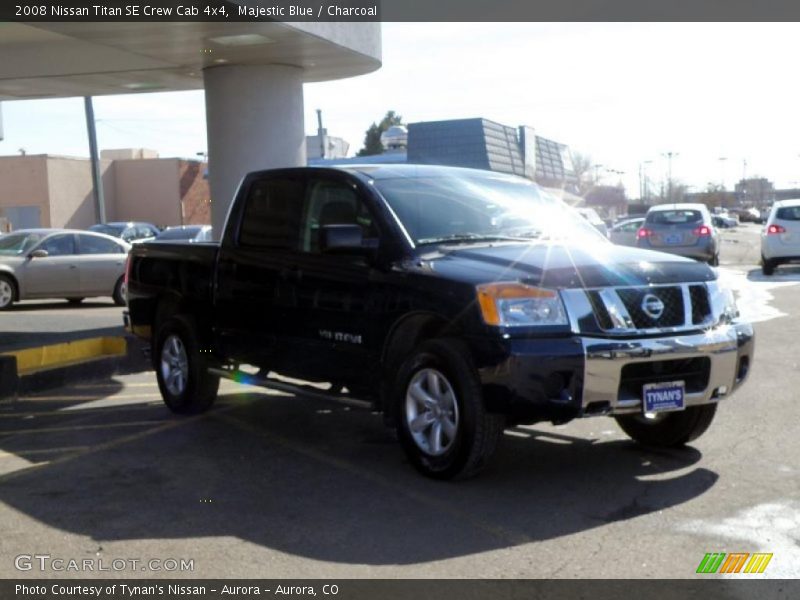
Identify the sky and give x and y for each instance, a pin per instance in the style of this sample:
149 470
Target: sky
623 94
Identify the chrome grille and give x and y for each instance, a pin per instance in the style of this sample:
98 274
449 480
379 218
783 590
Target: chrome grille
645 309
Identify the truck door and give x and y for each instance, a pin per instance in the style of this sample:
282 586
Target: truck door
332 315
254 294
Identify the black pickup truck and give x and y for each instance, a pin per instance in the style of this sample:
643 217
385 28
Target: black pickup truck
457 302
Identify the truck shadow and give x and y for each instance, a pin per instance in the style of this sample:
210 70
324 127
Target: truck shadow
324 482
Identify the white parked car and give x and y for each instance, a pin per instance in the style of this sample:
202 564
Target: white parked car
780 238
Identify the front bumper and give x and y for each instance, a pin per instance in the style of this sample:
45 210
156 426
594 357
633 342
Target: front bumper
560 379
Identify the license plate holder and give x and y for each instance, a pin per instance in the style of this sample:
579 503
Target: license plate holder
663 397
673 239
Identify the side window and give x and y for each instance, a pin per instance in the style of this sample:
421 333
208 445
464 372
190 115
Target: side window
59 245
90 244
631 227
333 203
272 214
129 234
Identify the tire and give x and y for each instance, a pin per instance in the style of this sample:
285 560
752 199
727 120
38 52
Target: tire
714 261
74 300
669 430
183 379
8 292
118 295
438 389
767 266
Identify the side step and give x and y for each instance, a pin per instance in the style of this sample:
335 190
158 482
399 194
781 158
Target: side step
291 388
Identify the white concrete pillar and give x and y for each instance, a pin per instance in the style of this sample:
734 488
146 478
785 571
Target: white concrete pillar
255 121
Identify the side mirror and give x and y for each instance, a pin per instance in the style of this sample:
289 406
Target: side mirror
343 239
40 253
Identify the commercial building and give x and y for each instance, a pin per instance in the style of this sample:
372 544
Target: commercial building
56 191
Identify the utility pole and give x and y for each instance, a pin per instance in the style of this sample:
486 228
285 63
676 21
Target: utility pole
97 178
669 156
722 160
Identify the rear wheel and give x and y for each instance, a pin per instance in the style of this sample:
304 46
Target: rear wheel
118 295
8 292
181 370
74 300
767 266
714 260
671 429
444 426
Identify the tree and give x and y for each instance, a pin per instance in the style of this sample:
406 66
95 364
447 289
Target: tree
372 139
582 165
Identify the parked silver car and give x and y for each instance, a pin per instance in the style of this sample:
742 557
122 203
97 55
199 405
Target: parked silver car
61 263
684 229
188 233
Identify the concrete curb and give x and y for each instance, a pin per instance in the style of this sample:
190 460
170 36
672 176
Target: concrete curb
92 359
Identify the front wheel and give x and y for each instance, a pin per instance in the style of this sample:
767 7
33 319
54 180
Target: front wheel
670 429
118 295
183 378
444 426
7 292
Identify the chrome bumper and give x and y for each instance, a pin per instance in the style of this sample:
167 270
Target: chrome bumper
729 348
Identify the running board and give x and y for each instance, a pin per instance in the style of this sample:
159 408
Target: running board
283 386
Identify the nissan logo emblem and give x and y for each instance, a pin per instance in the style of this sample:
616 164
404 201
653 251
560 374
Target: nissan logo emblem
652 306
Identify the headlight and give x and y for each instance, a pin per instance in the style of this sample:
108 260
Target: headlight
519 305
723 303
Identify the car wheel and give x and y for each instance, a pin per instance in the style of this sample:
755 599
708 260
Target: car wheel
670 429
8 291
74 300
714 260
118 295
444 426
183 378
767 266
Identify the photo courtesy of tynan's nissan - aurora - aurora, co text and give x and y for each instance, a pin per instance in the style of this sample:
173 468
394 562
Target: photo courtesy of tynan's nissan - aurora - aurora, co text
457 302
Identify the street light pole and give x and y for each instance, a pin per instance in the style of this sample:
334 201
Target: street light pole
669 156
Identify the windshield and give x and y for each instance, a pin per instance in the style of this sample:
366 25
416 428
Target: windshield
480 207
114 230
179 233
18 243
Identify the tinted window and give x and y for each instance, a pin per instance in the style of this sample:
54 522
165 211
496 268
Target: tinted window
332 203
97 245
272 214
674 217
59 245
788 213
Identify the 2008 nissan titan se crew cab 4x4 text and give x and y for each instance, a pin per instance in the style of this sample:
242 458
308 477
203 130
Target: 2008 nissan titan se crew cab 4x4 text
458 302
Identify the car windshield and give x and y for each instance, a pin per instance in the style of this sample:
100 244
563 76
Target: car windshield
178 233
480 207
114 230
18 243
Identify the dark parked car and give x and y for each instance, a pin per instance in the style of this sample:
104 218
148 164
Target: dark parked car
189 233
130 231
457 302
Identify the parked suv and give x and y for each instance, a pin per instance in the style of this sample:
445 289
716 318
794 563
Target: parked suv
684 229
780 239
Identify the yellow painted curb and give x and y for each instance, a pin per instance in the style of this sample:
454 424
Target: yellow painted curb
54 356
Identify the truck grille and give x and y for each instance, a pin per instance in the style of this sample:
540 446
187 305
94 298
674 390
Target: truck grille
650 308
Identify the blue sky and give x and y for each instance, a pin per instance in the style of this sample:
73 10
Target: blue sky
623 93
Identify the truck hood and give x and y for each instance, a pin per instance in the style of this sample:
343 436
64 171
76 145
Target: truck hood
563 265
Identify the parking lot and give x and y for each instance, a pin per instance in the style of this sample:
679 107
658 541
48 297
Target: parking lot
271 485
